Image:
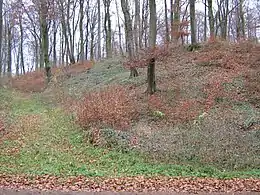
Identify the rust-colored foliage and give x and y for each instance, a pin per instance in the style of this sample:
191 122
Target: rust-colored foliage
136 185
159 52
2 125
252 77
30 82
113 107
186 109
223 63
35 81
178 30
230 61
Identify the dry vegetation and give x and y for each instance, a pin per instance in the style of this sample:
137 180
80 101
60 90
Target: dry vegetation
36 81
207 102
113 107
189 83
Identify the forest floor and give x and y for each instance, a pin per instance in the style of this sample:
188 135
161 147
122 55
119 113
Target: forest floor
199 133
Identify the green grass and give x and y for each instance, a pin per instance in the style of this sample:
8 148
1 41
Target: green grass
56 146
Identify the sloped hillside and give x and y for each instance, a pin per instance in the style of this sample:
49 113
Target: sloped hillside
205 111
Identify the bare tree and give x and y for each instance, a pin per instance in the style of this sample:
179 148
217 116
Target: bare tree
119 30
152 42
192 22
167 32
211 19
175 20
81 12
107 27
92 25
129 34
1 35
99 29
45 37
137 26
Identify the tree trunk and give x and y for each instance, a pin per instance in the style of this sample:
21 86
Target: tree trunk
192 22
5 45
62 48
211 20
81 11
242 18
1 36
143 30
41 53
92 47
99 30
224 23
205 20
18 60
172 17
176 21
54 43
108 30
45 38
36 57
167 35
9 51
152 42
137 26
70 37
21 43
87 32
119 31
66 30
92 25
129 34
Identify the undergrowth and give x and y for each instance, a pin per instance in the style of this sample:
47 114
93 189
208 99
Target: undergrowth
49 143
112 107
201 122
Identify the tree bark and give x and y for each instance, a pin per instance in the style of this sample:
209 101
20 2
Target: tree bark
129 34
192 22
205 20
1 35
9 51
65 30
167 35
119 31
81 3
45 38
143 40
242 18
99 30
211 20
137 26
108 30
152 42
176 21
54 43
21 43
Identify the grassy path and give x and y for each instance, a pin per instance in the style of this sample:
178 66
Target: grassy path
42 140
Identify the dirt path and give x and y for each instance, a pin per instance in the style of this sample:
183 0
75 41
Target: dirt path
28 192
133 185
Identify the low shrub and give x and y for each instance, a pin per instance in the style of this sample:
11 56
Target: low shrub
30 82
112 107
2 125
110 138
186 110
36 81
